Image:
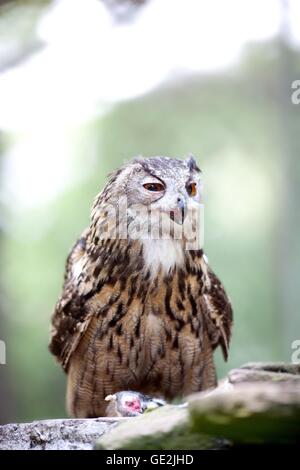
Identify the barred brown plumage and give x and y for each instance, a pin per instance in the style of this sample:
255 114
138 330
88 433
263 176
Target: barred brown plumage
136 312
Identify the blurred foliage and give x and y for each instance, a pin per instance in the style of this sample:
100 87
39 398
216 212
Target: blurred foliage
18 40
231 122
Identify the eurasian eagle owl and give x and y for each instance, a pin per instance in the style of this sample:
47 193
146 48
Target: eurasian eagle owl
140 310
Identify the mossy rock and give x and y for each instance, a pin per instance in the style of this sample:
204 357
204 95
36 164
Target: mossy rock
166 428
250 413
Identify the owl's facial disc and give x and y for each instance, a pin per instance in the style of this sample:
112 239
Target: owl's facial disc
162 195
156 189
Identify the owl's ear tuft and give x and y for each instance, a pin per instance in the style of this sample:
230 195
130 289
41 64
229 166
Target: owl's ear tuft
192 164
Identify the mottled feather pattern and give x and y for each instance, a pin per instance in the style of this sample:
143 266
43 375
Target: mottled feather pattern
117 327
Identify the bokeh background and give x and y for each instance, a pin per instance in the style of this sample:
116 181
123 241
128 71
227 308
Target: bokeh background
87 84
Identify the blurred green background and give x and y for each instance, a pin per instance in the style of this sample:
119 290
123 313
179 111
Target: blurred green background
240 123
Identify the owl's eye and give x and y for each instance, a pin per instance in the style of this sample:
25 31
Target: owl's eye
155 187
192 189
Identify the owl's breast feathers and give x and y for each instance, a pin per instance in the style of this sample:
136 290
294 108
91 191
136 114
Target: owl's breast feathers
109 285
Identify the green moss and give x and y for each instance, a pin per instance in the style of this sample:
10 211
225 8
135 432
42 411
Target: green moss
264 428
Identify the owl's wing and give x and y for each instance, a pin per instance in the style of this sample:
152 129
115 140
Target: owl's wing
217 310
70 318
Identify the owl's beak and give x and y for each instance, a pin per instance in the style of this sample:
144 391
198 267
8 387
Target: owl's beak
179 212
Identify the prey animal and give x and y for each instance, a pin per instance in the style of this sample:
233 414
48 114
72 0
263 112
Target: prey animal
141 308
129 404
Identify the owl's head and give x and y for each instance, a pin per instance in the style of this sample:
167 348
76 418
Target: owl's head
155 191
163 184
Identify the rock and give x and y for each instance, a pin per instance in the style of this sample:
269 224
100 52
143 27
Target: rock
258 403
278 367
250 413
165 428
56 434
265 372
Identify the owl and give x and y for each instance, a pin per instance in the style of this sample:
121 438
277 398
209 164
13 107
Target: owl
141 309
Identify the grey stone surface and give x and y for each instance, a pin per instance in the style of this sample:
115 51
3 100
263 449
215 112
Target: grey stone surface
265 372
166 428
250 412
55 434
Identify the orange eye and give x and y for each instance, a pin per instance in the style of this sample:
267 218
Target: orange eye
154 187
192 189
